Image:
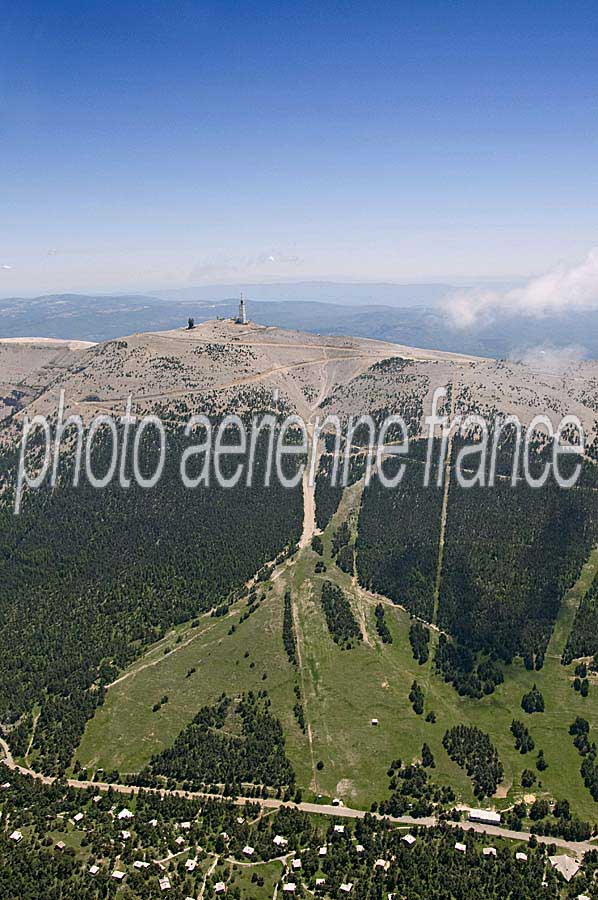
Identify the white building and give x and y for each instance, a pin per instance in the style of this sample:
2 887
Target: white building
93 870
347 888
521 857
118 875
296 864
78 818
220 887
340 829
460 848
486 816
248 851
289 888
125 814
408 839
280 841
242 317
489 851
191 865
323 851
140 864
164 884
16 836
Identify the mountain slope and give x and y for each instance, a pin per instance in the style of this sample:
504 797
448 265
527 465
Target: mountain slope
111 597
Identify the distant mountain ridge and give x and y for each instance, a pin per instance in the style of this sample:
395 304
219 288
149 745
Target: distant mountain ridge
102 317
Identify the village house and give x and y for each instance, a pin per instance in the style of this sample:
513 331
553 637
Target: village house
565 865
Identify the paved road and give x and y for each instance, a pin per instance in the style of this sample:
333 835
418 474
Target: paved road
577 847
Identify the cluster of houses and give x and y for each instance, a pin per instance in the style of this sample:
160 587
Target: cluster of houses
290 887
566 865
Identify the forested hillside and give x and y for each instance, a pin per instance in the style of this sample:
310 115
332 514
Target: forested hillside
88 577
583 640
397 544
510 554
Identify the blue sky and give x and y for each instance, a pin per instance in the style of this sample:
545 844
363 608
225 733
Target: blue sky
166 144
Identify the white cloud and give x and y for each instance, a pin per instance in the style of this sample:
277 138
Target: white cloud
550 360
5 267
560 290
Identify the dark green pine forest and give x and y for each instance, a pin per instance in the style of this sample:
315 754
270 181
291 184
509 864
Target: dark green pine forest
88 577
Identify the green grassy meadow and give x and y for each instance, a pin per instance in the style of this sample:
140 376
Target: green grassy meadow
342 691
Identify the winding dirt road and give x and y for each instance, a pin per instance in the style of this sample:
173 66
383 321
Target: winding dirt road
577 847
